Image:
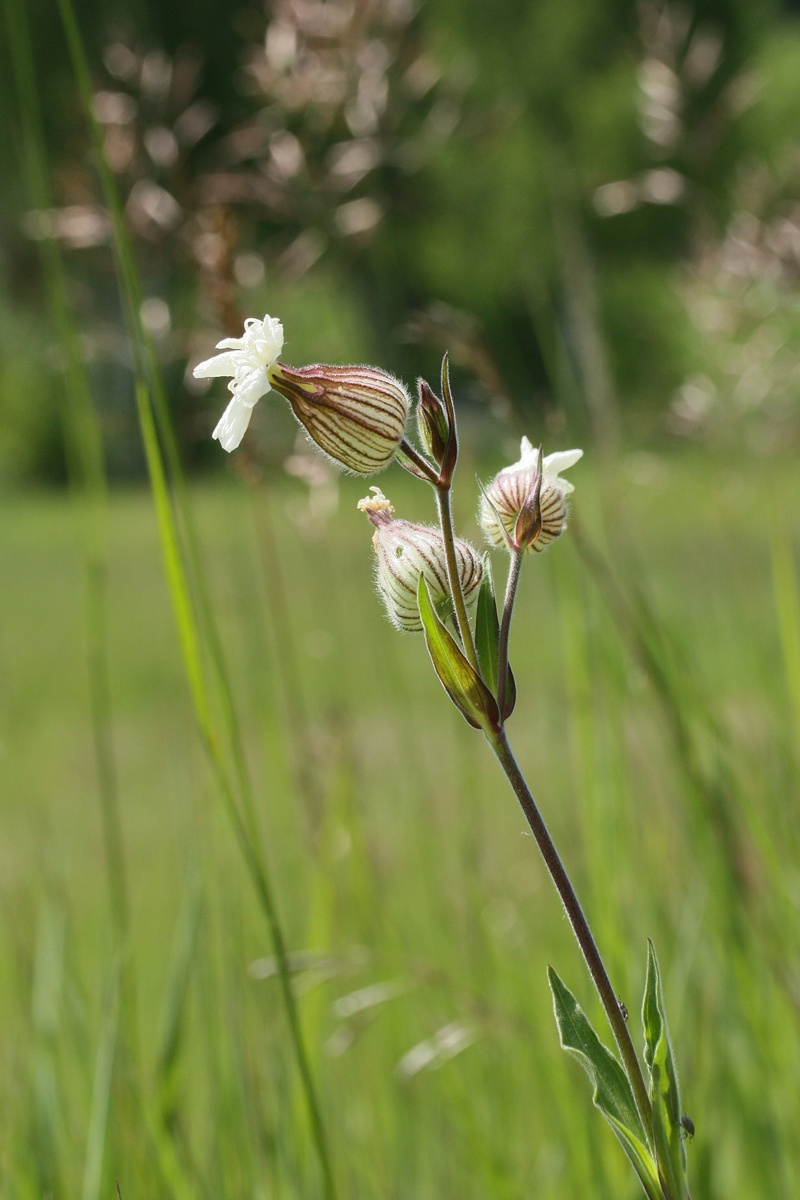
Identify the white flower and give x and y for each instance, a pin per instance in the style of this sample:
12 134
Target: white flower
513 491
247 359
553 465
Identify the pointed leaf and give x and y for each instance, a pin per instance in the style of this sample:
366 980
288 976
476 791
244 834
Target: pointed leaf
511 694
612 1092
664 1088
459 678
487 627
450 455
487 638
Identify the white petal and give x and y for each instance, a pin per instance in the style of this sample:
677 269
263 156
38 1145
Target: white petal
251 386
526 451
554 464
272 333
231 344
232 425
263 340
220 364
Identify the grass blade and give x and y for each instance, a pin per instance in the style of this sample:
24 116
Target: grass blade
186 586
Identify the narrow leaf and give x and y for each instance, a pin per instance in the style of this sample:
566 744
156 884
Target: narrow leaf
487 638
448 464
487 628
612 1091
460 680
174 568
511 694
664 1089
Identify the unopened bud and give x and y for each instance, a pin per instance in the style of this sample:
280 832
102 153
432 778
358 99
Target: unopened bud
432 423
357 415
404 552
525 506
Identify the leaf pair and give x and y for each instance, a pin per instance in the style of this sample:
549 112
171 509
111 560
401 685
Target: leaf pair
658 1156
472 693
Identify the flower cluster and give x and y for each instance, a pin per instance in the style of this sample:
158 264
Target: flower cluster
358 417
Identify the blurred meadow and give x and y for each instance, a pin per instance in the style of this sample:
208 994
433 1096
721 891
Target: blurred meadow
271 923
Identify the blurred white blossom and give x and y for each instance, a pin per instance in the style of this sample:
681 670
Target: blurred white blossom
247 360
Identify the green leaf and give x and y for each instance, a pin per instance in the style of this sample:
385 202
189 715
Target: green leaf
511 694
487 627
460 680
487 638
612 1091
664 1088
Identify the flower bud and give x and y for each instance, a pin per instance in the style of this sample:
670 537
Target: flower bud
525 506
404 552
432 423
356 415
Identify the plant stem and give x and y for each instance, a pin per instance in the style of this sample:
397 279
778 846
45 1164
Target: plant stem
580 925
505 626
424 469
454 579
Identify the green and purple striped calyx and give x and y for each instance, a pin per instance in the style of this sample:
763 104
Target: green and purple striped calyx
356 415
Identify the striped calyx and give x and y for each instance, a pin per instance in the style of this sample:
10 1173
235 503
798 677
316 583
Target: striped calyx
405 551
356 415
525 506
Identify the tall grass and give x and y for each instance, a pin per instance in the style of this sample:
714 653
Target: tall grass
196 627
419 884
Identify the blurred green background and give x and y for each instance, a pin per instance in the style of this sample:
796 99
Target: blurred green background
593 207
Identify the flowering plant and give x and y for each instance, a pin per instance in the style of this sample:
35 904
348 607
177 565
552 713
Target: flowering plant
433 582
356 415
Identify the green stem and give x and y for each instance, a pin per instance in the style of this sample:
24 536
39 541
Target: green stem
454 579
424 469
580 925
514 568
